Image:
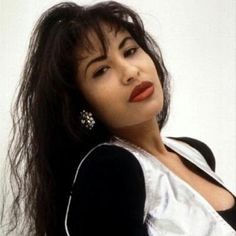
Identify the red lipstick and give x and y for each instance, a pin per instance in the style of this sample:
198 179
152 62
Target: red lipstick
141 92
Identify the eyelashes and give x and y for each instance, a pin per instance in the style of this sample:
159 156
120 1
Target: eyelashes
130 51
100 71
103 69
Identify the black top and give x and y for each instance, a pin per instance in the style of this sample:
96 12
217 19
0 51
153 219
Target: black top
109 193
230 215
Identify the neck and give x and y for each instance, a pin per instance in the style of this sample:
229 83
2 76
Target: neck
145 135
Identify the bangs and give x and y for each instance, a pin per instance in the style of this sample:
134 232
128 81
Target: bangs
95 37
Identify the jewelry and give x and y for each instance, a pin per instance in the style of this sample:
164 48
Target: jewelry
87 119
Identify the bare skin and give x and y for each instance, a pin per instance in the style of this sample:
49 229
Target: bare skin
219 198
147 136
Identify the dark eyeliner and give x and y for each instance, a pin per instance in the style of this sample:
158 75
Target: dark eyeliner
127 52
99 72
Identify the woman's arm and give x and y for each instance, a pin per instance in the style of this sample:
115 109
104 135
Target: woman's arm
108 196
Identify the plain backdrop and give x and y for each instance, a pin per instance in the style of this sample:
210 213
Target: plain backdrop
198 43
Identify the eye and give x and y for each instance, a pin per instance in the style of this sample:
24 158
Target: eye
100 71
130 51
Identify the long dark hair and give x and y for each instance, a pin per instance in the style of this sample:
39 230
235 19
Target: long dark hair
48 140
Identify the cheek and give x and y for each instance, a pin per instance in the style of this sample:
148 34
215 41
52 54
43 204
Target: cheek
108 108
103 102
151 67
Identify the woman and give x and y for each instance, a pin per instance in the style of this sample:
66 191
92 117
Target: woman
93 100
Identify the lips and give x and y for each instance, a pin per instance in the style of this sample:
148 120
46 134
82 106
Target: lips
141 91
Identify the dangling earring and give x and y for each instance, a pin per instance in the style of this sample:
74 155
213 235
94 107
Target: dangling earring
87 119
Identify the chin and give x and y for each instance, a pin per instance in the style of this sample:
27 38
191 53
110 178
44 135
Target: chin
154 109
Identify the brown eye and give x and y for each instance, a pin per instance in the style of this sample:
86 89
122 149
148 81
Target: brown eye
130 52
100 71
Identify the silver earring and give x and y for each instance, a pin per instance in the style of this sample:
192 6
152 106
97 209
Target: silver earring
87 119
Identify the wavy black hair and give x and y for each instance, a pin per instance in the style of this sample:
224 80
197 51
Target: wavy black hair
48 141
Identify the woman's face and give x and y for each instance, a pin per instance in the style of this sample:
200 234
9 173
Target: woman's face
122 87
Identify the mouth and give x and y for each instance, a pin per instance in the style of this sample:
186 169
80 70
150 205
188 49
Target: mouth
142 92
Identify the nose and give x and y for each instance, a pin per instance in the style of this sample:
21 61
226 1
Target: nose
129 73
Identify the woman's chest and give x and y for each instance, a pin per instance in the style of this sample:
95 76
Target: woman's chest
217 196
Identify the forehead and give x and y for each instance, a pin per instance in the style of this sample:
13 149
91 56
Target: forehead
101 41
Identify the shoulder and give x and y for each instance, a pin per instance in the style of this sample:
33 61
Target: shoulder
202 147
109 156
108 165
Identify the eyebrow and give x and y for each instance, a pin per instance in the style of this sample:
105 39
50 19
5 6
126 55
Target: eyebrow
122 43
103 57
